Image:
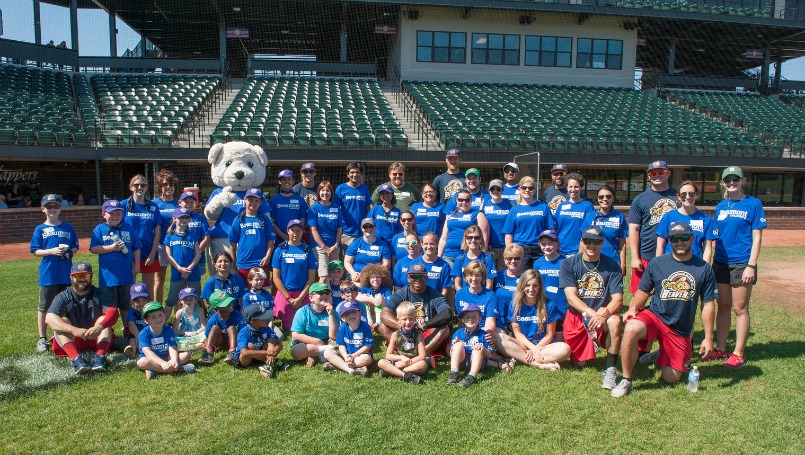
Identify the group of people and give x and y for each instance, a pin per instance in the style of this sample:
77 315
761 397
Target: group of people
485 275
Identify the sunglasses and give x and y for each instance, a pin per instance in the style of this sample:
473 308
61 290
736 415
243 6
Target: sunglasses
604 197
416 276
411 243
657 172
462 199
510 170
679 238
473 237
592 242
323 292
308 172
52 206
495 188
558 174
527 188
82 276
406 220
350 289
167 184
368 226
513 259
685 194
139 185
732 179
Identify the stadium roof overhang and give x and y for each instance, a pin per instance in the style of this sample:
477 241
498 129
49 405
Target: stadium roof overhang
706 45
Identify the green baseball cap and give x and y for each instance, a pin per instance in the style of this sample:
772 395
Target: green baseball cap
337 264
151 306
732 170
472 171
220 299
318 287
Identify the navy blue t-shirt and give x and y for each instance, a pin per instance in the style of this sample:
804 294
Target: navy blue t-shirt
647 210
595 283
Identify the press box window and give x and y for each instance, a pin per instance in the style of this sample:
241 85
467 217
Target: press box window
599 54
495 49
548 51
441 47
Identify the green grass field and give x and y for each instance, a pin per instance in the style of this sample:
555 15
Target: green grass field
757 409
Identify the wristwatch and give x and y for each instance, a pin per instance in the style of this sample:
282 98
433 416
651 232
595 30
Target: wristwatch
752 266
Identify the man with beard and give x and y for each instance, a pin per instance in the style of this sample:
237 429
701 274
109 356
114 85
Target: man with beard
307 187
406 194
556 194
452 180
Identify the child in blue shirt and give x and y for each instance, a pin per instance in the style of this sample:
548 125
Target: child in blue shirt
222 328
222 279
118 249
183 250
355 342
256 279
258 342
158 352
375 291
199 226
334 278
55 241
470 347
251 240
136 323
189 321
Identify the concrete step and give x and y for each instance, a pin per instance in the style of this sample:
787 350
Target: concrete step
417 138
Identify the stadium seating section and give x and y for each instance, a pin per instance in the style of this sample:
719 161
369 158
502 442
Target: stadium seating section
745 8
148 110
575 119
776 121
311 112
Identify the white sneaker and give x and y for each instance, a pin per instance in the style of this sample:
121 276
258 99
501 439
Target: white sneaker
610 378
622 389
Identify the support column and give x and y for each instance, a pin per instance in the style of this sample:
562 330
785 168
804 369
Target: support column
671 57
112 33
74 24
37 23
764 74
222 45
778 73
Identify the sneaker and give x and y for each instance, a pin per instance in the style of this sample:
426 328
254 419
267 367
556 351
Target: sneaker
384 373
362 371
81 366
150 374
99 363
267 371
206 358
412 378
467 381
735 361
327 366
453 378
310 362
610 378
128 351
622 389
42 345
649 358
716 354
279 365
189 368
431 361
230 357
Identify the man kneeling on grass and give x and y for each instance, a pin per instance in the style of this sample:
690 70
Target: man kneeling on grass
80 323
158 350
258 342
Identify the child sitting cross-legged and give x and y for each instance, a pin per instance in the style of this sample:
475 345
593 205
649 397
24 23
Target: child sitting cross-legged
470 347
405 356
258 342
354 354
222 328
158 352
136 323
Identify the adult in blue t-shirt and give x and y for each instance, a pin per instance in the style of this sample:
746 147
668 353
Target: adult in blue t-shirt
286 205
613 225
355 199
702 226
430 212
456 223
570 214
526 220
366 250
496 209
386 215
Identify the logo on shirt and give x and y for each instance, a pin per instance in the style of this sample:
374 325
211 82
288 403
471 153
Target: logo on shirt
452 187
310 198
421 318
679 286
556 202
590 286
724 214
660 208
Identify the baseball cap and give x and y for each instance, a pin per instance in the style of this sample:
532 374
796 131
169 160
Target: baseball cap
256 312
472 171
657 165
315 288
550 233
592 233
497 182
417 269
254 192
187 194
559 167
295 222
468 308
337 264
81 267
285 173
138 290
732 170
179 212
187 292
110 206
386 187
308 166
368 221
680 228
347 306
48 198
220 299
151 306
452 152
513 166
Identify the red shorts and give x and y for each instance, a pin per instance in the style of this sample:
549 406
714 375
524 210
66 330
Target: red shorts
636 276
153 268
675 349
582 347
81 345
440 351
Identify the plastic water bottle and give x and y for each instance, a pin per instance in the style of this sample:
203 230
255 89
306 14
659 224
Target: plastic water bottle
586 320
693 380
114 237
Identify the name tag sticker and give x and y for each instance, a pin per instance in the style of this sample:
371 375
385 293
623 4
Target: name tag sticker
289 260
374 248
552 289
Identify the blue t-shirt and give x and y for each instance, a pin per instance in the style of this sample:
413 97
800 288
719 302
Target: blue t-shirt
485 300
235 319
701 224
166 209
478 336
428 219
439 271
735 222
457 223
510 193
286 208
397 246
504 291
54 270
387 223
355 203
136 316
159 344
200 226
183 249
264 299
400 275
115 267
529 320
569 217
677 288
462 261
355 339
554 197
336 288
366 253
526 221
327 220
595 283
549 270
476 201
234 286
294 262
384 291
311 323
252 234
614 227
223 225
257 337
144 218
496 214
647 210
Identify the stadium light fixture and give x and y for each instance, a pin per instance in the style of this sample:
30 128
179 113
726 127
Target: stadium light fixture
527 20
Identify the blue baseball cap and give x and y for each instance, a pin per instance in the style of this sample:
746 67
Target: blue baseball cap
468 308
308 166
254 192
51 198
285 173
347 306
452 152
295 222
386 187
81 267
187 194
559 167
680 228
179 212
256 312
138 290
592 233
657 165
111 205
187 292
550 233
